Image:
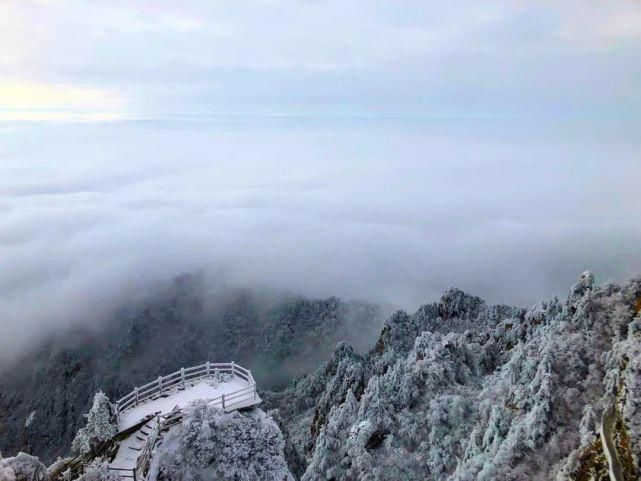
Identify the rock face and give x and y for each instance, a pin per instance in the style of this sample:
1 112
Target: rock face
22 468
465 391
277 337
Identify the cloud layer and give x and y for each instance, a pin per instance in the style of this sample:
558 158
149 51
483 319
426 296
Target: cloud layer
382 210
370 149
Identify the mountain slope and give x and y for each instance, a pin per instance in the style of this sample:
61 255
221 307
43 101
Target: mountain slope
457 391
43 398
464 391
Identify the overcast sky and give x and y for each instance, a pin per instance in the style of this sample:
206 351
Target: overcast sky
320 56
382 150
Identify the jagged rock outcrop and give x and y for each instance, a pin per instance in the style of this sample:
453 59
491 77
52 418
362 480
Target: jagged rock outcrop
464 391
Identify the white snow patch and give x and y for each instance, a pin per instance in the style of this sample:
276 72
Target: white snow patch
171 443
30 419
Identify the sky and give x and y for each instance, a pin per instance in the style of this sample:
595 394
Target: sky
106 59
377 150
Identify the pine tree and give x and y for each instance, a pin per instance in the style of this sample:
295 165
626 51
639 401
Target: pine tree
100 426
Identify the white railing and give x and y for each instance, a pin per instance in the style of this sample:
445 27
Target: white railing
190 374
163 422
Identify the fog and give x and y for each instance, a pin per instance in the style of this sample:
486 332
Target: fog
383 210
371 150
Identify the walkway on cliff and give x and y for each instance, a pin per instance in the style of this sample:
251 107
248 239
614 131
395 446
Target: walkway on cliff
145 413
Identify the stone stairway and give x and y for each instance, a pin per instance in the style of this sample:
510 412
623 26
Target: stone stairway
130 448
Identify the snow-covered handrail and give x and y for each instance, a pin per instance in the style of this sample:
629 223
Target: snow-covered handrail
143 461
190 374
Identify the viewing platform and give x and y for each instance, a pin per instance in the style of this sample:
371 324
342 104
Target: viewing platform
149 410
227 385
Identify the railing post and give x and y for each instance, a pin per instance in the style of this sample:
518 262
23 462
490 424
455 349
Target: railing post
223 402
136 391
208 368
233 368
160 384
182 376
134 471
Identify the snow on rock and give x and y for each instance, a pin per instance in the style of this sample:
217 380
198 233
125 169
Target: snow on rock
22 468
30 419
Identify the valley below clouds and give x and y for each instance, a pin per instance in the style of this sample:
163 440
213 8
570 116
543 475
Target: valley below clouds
392 211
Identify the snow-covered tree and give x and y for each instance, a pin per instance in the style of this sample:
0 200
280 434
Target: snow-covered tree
233 446
461 391
98 470
100 426
22 467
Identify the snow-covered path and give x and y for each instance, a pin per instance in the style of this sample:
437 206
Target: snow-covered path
129 449
608 422
202 389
